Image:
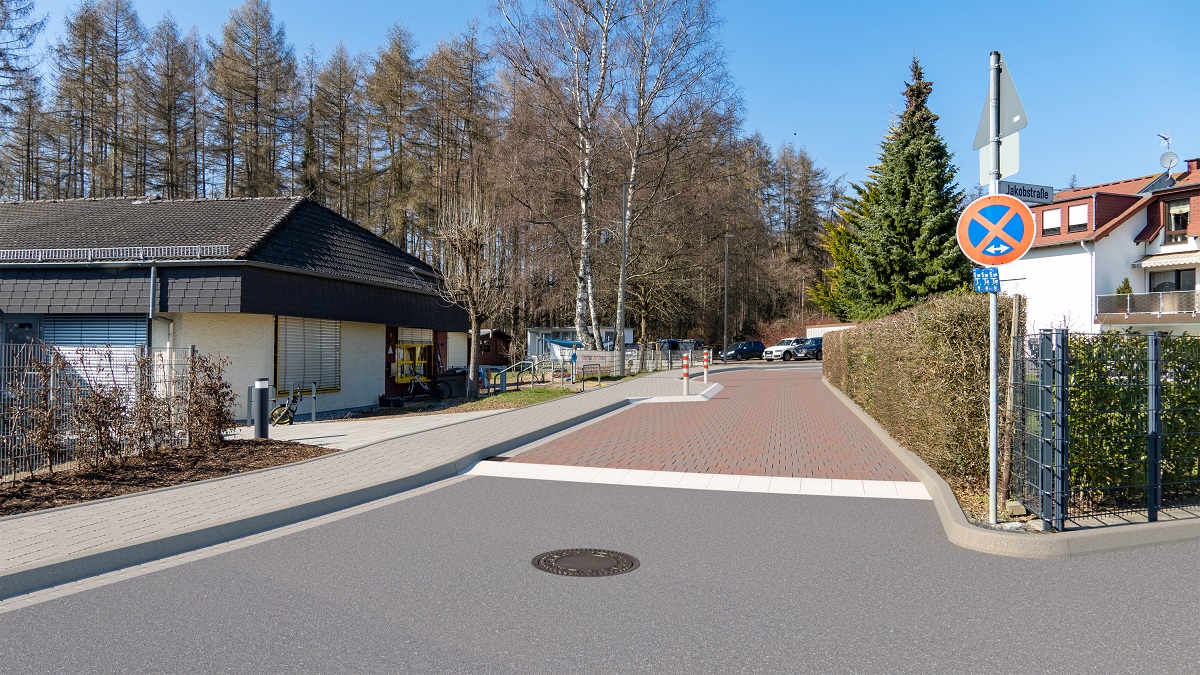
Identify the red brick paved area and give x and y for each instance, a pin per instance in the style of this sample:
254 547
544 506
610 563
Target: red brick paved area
765 422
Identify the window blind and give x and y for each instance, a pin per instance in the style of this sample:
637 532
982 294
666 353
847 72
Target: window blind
309 350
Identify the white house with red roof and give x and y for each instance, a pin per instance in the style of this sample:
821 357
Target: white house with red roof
1090 239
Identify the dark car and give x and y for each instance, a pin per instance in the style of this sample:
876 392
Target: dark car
810 349
740 351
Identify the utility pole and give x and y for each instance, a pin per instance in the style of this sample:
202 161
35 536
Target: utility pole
725 340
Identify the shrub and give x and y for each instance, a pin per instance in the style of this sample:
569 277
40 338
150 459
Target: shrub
210 403
923 375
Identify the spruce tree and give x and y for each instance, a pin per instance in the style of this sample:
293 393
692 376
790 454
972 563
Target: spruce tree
903 219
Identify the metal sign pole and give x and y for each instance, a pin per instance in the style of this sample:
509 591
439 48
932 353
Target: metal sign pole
993 314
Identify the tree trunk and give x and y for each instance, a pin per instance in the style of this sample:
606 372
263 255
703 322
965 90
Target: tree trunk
473 361
584 280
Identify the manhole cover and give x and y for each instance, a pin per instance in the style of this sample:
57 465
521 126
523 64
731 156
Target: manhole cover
585 562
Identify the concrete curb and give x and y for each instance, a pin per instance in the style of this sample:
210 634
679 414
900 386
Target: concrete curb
22 580
962 533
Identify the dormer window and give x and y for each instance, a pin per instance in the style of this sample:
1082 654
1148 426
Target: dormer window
1177 222
1051 222
1077 218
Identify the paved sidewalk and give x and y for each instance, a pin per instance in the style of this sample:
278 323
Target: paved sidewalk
45 548
780 422
352 434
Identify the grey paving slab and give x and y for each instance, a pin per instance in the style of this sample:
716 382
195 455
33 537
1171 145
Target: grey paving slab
36 553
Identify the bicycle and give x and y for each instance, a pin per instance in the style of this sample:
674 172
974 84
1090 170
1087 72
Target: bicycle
284 413
419 386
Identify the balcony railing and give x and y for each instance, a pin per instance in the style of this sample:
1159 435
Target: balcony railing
1174 302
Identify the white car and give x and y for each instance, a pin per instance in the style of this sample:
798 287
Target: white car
784 350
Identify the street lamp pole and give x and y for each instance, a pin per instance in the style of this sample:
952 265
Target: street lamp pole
725 342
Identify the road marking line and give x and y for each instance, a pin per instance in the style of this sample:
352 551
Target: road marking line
826 487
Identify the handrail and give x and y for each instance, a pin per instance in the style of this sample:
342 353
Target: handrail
1163 302
583 371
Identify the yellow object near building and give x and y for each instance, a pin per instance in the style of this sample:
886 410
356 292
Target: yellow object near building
412 362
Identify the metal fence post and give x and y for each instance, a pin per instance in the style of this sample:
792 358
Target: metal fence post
1046 427
1154 426
1061 429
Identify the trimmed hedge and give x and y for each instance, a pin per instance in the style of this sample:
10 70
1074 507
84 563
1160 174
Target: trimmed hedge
923 375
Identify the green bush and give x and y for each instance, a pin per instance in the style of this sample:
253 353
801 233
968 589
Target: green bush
923 375
1108 380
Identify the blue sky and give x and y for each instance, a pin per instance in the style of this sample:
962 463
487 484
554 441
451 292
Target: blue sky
1098 79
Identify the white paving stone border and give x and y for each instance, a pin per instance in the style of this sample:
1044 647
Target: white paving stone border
827 487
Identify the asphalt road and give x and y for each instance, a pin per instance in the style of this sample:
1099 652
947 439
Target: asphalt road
729 582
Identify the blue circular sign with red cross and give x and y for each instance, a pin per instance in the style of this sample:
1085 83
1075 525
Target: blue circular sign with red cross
995 230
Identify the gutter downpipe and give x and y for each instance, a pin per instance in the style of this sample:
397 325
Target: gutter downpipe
152 314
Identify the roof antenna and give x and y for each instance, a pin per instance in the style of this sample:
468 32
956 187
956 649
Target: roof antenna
1168 159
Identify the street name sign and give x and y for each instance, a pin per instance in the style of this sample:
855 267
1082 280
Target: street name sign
995 230
1030 194
987 279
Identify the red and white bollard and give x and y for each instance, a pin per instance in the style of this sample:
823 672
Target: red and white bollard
706 360
686 358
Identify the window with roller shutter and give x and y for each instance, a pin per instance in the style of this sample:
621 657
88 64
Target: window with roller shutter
308 351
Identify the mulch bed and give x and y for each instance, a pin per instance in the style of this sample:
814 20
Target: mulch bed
45 491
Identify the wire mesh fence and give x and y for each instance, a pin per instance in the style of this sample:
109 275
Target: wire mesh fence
1106 424
69 406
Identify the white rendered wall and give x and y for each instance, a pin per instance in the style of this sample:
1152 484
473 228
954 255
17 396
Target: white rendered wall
248 340
364 369
1115 255
1056 283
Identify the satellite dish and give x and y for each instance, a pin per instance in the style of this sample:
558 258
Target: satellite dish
1168 160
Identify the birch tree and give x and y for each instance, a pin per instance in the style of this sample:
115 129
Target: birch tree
566 51
672 66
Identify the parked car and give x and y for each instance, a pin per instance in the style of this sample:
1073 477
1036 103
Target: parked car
810 349
740 351
668 345
675 345
784 350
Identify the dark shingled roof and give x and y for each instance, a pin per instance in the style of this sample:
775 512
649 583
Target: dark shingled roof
291 232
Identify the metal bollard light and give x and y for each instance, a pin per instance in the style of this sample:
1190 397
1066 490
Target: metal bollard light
686 359
261 386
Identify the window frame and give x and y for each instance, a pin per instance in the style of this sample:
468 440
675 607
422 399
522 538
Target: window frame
309 338
1057 229
1172 234
1073 226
